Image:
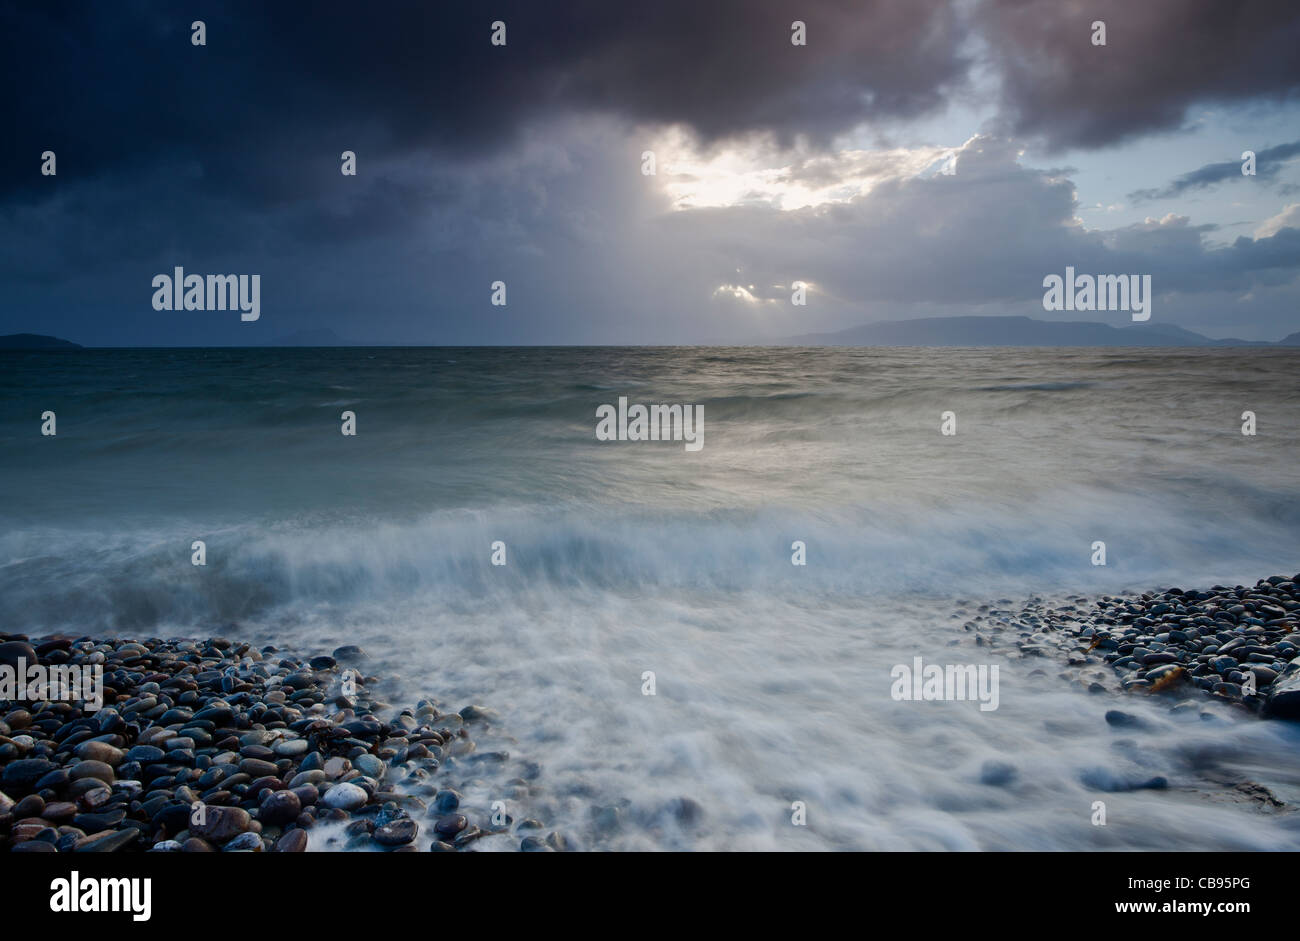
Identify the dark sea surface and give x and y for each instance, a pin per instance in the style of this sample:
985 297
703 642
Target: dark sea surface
772 679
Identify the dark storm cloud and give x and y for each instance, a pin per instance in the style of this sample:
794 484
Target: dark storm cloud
1267 165
281 88
262 112
1160 58
478 163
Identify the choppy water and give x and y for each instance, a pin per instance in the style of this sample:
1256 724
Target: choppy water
772 680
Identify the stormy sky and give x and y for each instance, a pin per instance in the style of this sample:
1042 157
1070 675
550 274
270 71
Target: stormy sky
913 159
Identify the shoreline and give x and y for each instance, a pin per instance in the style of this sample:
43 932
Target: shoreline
1236 644
211 745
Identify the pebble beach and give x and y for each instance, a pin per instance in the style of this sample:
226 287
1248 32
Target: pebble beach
1236 644
211 745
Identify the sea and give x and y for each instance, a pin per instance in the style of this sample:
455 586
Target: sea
664 676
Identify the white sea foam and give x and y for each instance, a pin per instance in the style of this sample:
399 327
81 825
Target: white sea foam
772 680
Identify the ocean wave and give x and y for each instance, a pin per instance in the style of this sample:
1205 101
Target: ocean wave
61 578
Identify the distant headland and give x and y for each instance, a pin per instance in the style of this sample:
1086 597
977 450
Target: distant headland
34 341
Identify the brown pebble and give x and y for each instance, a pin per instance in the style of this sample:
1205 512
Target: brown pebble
295 841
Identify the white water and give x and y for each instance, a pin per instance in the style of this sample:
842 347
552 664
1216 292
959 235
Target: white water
761 702
773 681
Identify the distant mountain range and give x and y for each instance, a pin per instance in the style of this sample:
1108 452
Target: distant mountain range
1016 331
925 331
34 341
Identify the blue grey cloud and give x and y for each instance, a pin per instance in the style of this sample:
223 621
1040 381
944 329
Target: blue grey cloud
1268 164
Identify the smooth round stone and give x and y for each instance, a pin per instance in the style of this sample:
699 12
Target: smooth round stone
96 795
322 662
218 712
450 825
437 846
291 748
1264 675
25 772
1155 659
349 652
997 773
478 714
315 776
30 806
1122 719
370 766
345 797
295 841
59 811
532 844
99 770
298 681
173 816
34 846
210 778
397 832
336 767
257 768
244 843
280 807
446 801
222 823
166 846
146 754
68 842
47 835
12 651
26 830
